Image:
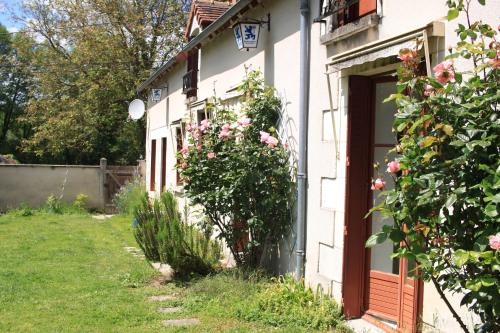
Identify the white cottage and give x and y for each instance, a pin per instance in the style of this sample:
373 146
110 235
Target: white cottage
333 62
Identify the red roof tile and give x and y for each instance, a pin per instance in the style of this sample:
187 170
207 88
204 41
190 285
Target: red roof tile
206 12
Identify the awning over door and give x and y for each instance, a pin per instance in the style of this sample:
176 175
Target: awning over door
387 47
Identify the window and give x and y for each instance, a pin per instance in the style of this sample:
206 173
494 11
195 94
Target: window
163 164
202 115
153 166
190 79
343 12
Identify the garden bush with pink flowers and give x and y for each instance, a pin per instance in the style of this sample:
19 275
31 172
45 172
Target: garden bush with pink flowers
445 203
238 170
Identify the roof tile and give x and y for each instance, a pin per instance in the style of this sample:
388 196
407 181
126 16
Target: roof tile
206 12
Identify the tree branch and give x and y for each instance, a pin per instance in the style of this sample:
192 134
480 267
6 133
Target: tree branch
448 304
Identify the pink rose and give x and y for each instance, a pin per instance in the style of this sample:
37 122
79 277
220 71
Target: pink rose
223 134
393 167
264 136
204 125
444 71
198 146
184 165
285 145
226 127
211 155
428 89
244 122
189 128
378 184
196 134
185 150
495 241
272 141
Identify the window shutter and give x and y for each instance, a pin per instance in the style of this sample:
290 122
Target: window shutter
367 7
153 166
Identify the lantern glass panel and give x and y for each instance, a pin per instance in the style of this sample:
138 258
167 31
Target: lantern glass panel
250 34
238 36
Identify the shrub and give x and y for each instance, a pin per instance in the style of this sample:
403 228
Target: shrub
80 201
53 205
24 210
240 173
164 236
287 302
129 197
445 203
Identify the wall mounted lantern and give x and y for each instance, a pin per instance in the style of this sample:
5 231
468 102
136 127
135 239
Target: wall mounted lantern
247 32
156 95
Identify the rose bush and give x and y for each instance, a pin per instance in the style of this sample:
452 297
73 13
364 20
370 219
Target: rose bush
236 169
445 203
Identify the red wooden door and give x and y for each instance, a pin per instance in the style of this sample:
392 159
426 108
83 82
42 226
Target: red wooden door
375 286
391 293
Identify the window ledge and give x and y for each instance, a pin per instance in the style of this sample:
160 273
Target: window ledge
350 29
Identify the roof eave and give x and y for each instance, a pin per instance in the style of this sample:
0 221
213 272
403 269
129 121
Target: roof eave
205 33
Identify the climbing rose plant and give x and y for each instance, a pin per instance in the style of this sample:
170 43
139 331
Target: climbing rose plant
236 168
445 203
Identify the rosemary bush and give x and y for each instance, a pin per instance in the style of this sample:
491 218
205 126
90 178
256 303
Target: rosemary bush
164 236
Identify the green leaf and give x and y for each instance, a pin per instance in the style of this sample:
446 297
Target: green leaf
491 210
488 281
428 141
460 257
451 200
397 235
375 239
392 97
378 207
482 2
453 14
473 285
391 197
423 260
401 127
428 155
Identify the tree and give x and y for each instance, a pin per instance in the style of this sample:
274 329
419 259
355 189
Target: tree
13 94
445 203
92 56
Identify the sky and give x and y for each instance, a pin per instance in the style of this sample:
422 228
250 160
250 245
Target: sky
6 8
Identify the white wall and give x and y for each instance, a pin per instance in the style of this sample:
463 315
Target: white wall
325 231
222 67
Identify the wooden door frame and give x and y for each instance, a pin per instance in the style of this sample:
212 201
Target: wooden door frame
354 284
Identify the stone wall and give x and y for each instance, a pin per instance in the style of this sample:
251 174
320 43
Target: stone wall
32 184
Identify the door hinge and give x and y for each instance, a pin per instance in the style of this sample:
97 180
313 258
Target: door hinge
347 161
345 230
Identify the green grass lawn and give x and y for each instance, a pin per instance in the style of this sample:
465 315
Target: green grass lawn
70 273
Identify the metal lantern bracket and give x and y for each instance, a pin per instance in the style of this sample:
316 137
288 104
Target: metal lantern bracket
261 22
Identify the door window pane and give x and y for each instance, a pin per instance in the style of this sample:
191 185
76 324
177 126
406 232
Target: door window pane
384 116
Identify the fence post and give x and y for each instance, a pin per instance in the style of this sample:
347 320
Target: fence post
103 163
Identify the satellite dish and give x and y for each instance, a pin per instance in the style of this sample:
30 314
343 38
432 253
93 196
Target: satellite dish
136 109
